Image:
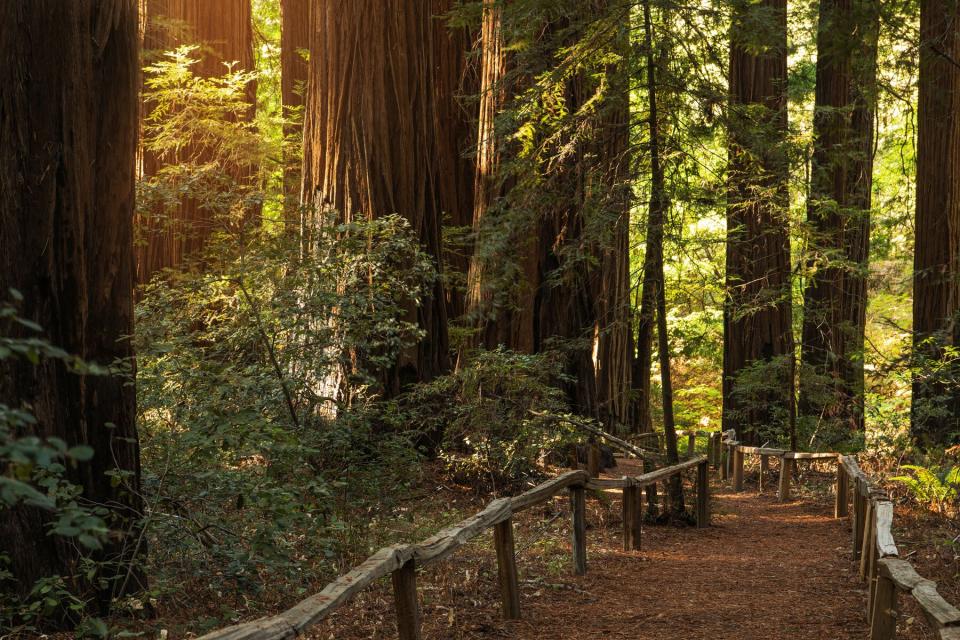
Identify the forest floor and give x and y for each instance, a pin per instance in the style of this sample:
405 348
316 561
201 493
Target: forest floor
762 570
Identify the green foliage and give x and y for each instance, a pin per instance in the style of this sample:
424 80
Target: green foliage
495 416
935 487
212 152
256 383
753 389
35 473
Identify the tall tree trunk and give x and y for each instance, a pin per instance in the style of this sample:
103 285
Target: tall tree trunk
653 276
376 138
935 416
612 344
838 213
551 278
757 312
294 71
68 118
224 29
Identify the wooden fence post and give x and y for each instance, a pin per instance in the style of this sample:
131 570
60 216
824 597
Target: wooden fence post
691 444
883 622
703 496
579 508
507 569
786 470
632 518
843 486
866 541
737 469
593 460
405 601
859 508
764 470
724 461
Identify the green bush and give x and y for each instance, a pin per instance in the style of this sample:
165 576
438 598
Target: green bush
493 420
33 473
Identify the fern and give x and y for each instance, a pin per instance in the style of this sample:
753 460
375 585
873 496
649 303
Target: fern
934 487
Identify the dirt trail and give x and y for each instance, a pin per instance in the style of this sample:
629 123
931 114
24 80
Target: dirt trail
763 570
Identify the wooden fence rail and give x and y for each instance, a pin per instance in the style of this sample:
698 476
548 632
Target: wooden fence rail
401 561
880 563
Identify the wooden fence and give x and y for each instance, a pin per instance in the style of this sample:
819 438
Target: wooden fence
880 563
874 548
401 561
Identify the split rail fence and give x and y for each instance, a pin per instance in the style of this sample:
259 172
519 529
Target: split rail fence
401 561
874 547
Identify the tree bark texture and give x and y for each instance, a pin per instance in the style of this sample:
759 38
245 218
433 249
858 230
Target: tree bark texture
294 71
757 313
541 272
68 118
935 415
380 137
838 214
224 29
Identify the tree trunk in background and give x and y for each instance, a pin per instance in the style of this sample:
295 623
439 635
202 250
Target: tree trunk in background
68 116
835 301
757 313
224 29
377 137
653 276
612 345
455 125
936 294
643 358
497 323
294 71
551 278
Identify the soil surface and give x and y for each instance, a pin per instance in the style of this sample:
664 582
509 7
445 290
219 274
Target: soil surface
763 570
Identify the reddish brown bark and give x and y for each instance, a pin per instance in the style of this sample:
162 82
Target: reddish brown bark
68 116
294 71
379 137
838 213
540 271
936 284
224 30
757 313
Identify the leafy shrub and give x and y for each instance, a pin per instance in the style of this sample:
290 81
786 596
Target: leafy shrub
256 381
33 473
494 418
935 487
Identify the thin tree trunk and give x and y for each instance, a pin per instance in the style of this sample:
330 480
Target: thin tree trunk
839 215
68 118
224 29
654 258
757 312
936 284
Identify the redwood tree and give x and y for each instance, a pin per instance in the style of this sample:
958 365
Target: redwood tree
294 70
68 118
936 284
224 29
378 139
550 265
838 213
757 313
